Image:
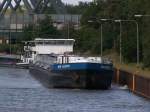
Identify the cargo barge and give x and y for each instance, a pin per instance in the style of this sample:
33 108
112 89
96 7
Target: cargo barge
74 72
56 68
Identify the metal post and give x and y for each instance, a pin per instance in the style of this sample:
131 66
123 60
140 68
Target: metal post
137 33
101 35
10 34
138 48
120 42
120 47
68 30
103 20
23 21
101 28
16 21
138 57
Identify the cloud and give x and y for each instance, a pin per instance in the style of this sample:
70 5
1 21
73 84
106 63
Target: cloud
75 1
71 1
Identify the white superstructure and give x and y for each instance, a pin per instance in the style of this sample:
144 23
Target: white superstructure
46 46
56 46
78 59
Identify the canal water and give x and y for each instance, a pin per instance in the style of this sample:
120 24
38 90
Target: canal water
19 92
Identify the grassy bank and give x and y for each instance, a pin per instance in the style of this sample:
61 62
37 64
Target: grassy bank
130 67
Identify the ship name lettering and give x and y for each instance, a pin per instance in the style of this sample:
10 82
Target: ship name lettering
63 66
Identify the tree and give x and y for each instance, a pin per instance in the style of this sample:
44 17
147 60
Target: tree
28 33
125 10
44 29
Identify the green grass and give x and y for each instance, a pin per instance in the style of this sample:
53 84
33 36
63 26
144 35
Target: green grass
129 67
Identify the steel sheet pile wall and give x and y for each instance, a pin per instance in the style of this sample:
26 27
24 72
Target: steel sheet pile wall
135 82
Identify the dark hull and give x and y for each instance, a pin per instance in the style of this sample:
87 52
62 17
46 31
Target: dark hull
86 79
22 66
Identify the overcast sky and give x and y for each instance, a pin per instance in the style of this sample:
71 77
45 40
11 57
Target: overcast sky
75 1
71 1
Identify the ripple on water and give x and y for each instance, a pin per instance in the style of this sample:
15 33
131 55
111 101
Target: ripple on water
19 92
